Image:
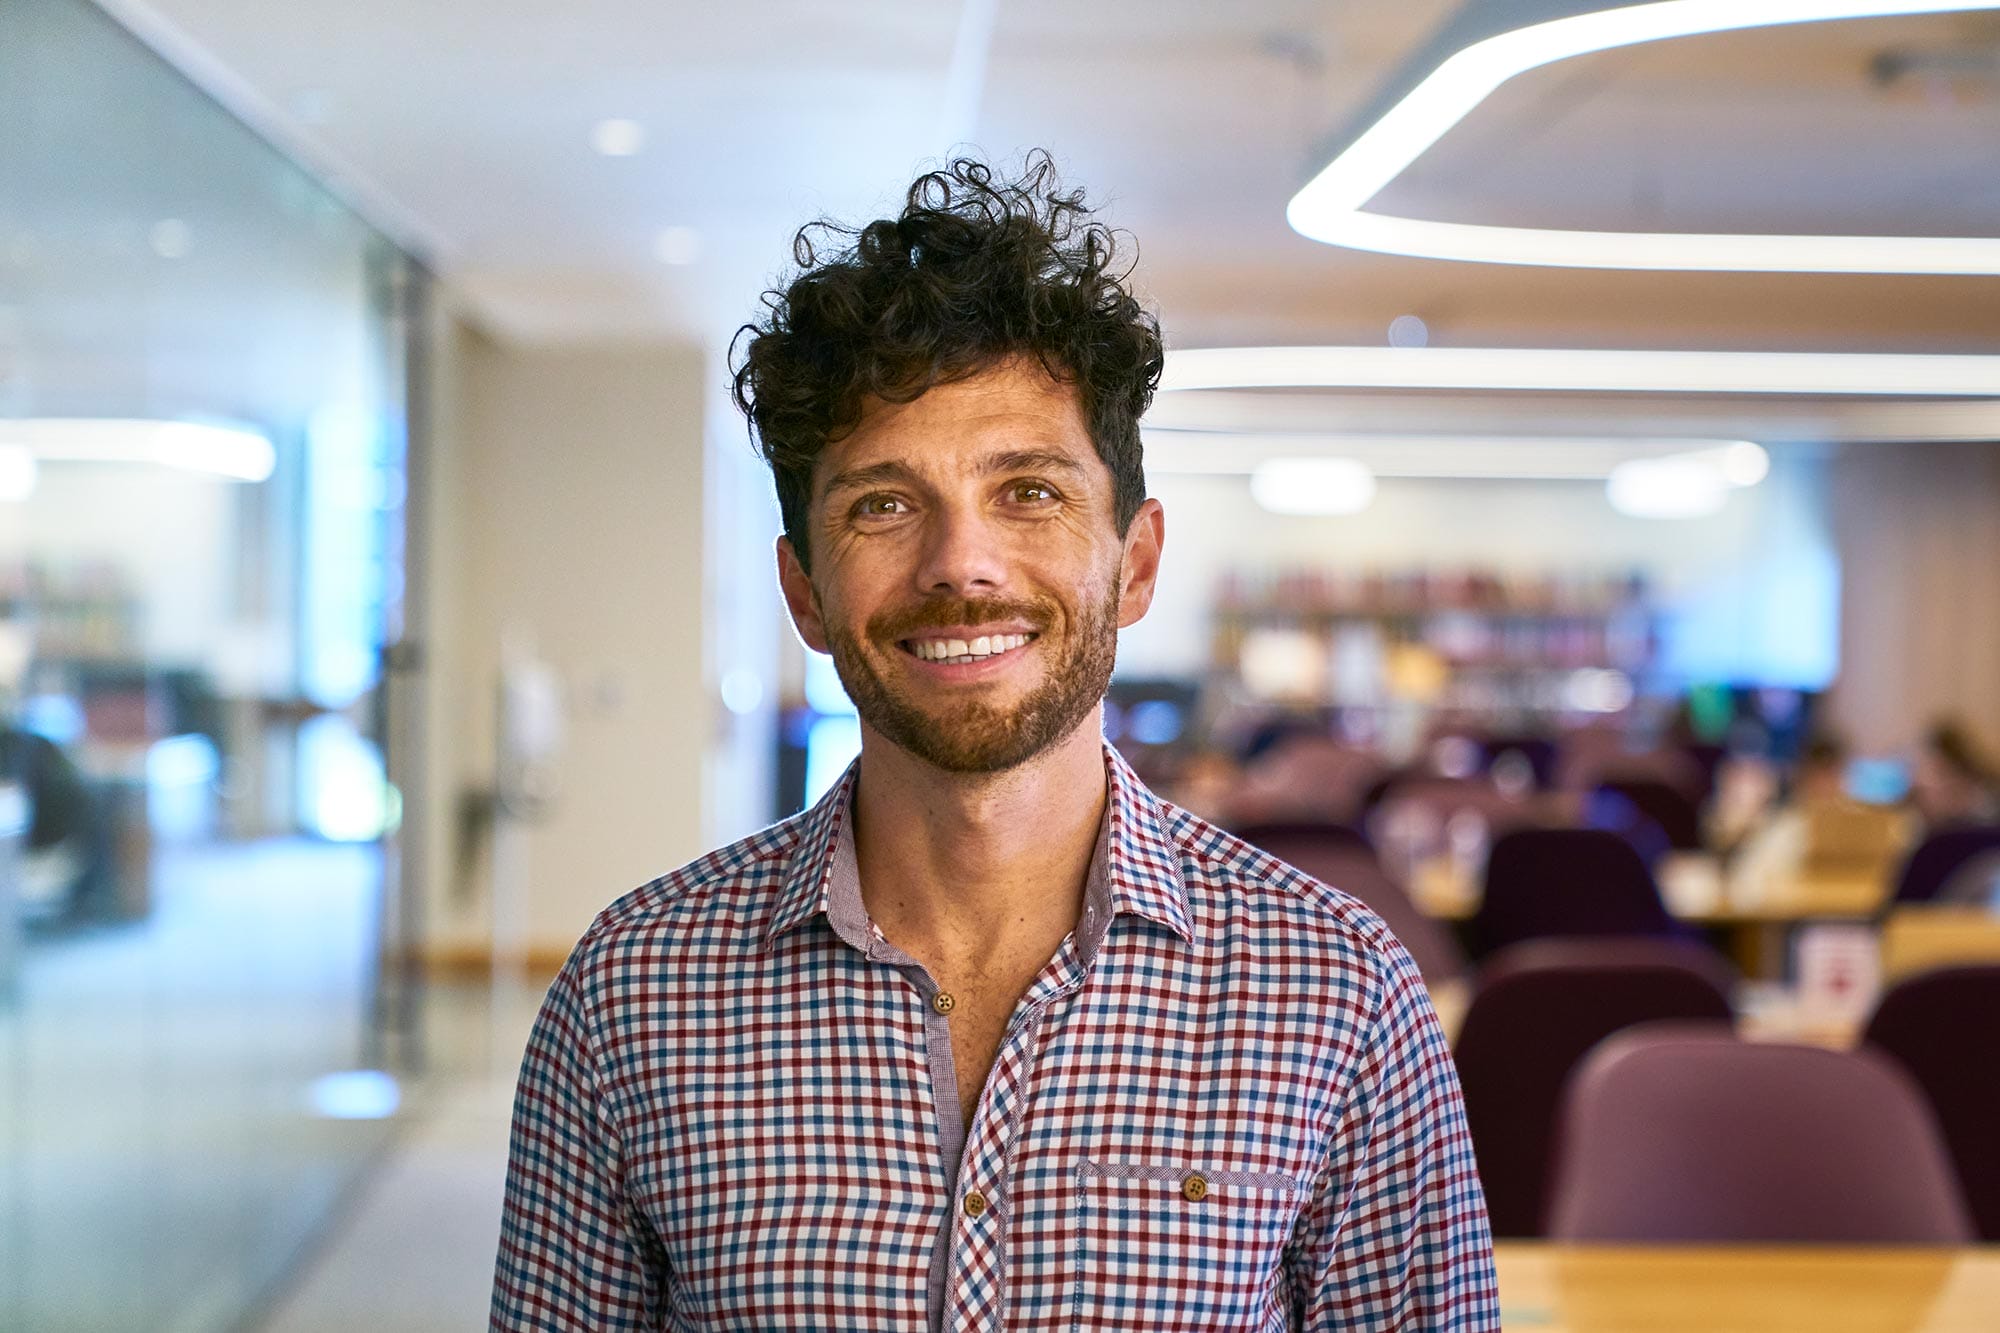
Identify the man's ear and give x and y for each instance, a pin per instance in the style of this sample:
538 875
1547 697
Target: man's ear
1141 566
799 598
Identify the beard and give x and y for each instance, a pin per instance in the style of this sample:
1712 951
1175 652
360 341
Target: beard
973 736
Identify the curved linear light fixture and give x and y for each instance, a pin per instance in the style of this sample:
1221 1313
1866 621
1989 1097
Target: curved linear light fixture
1329 208
1547 370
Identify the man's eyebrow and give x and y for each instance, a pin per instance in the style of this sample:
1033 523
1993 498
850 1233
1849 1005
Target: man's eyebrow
1032 460
1013 460
875 474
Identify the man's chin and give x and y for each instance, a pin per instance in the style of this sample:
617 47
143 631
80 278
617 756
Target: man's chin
987 741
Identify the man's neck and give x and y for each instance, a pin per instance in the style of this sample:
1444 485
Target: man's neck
967 864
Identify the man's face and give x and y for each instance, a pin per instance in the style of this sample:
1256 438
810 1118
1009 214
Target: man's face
968 577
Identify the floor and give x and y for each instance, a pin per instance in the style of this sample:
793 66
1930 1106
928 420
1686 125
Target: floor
413 1251
162 1160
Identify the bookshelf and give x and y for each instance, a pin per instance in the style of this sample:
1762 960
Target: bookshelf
1504 646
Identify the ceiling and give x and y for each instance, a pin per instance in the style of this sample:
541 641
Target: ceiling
464 129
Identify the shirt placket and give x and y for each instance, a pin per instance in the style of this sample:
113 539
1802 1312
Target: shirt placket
968 1287
968 1262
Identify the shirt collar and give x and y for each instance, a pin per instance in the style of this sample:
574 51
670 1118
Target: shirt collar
1143 866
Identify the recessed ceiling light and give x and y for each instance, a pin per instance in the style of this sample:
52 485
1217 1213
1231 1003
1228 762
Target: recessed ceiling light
171 238
618 138
1329 208
1666 488
677 245
1409 331
1313 486
1690 485
1552 370
17 472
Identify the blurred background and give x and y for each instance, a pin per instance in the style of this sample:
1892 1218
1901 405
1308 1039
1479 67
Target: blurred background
386 581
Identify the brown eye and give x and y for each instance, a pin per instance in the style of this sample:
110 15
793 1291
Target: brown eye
879 505
1033 492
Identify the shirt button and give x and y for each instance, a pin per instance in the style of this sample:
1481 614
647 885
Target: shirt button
943 1003
1195 1188
975 1203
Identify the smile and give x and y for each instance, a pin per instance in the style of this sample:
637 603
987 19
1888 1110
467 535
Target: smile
958 652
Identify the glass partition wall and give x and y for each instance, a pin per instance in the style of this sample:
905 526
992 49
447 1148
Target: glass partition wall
202 459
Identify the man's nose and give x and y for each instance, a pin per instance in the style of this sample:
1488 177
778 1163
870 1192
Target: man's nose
962 554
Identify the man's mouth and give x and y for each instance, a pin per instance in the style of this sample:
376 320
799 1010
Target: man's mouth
957 651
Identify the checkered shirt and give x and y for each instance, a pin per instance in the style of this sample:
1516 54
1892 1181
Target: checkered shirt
1225 1104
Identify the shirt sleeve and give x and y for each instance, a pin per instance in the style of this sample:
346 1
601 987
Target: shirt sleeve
574 1252
1395 1234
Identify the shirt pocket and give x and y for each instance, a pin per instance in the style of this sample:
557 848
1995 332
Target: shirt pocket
1172 1246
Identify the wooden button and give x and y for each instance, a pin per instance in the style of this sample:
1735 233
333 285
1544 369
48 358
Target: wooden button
943 1003
975 1203
1195 1188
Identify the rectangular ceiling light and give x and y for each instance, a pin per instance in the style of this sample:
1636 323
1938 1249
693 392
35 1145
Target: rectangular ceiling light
226 451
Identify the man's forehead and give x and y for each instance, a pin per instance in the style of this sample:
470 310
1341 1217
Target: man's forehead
973 424
1015 387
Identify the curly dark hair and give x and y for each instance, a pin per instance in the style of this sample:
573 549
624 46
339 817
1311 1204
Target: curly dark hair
976 270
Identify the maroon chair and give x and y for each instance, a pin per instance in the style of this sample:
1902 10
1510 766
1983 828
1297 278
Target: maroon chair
1944 1028
1666 805
1337 855
1543 883
1447 797
1680 1132
1537 1010
1933 861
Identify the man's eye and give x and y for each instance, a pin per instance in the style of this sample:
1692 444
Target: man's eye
879 504
1033 492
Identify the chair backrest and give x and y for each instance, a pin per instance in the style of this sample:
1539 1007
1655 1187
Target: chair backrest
1538 1008
1677 1132
1544 883
1308 778
1666 805
1339 856
1591 756
1447 797
1538 751
1944 1028
1935 859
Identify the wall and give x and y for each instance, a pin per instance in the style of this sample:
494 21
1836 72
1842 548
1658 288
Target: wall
1725 581
1919 530
172 535
567 501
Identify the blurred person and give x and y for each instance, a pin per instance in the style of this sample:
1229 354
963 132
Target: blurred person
1818 829
1951 781
991 1034
65 851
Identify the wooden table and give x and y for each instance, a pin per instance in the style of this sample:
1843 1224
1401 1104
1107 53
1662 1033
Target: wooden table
1754 930
1761 1289
1441 890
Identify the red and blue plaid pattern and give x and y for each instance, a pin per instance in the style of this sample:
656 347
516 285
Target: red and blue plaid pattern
736 1112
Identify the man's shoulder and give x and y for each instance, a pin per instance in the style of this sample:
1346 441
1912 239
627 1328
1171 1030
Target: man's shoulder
734 881
1221 870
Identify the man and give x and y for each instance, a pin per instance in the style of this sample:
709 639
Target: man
991 1037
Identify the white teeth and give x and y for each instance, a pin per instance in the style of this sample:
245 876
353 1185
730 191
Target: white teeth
959 650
